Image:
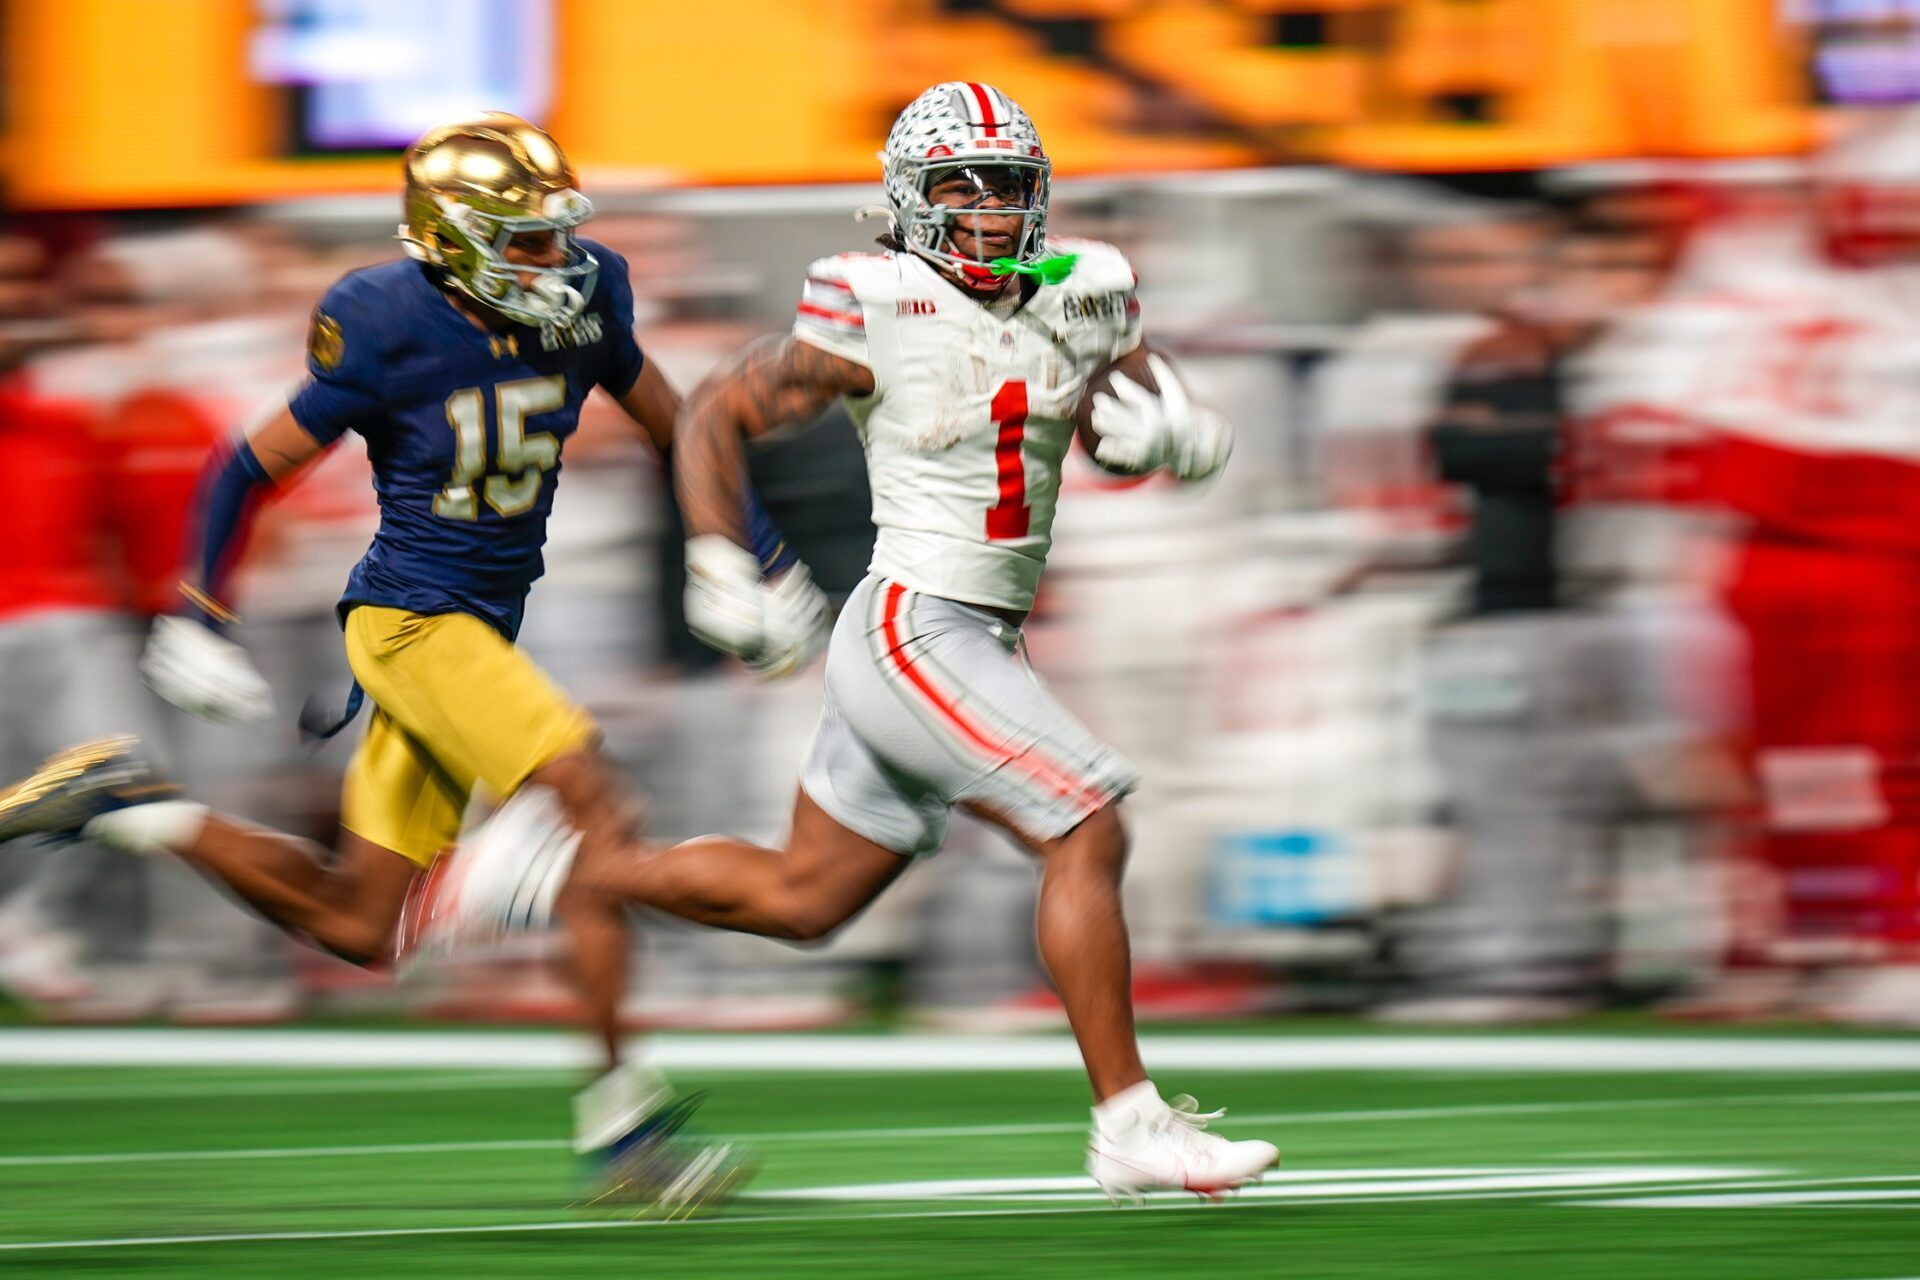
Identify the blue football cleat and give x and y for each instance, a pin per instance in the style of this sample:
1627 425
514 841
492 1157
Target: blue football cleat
660 1167
78 785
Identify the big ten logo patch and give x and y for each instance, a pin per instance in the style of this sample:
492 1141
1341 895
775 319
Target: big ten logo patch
914 307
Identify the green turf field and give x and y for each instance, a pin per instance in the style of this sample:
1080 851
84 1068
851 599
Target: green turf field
276 1171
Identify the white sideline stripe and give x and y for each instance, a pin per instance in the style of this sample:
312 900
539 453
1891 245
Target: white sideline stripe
1179 1203
467 1079
1389 1114
791 1054
1306 1184
1811 1199
816 1136
1812 1193
278 1153
514 1228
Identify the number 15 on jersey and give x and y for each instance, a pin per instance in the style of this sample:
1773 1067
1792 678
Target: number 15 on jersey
521 462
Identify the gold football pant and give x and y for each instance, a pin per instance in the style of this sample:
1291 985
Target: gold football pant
454 704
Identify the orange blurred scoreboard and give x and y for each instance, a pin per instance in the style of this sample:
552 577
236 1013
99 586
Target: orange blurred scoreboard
130 103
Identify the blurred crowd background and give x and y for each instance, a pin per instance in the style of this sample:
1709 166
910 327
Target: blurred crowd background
1551 644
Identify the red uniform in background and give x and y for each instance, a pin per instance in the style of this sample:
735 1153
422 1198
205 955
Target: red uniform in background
95 517
54 521
159 440
1826 587
1790 399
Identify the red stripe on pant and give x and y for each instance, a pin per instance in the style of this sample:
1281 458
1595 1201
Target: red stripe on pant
1049 775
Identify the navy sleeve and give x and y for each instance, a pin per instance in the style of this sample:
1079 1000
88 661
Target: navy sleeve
623 357
231 486
342 390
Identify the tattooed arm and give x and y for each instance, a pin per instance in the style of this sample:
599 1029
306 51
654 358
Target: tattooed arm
775 620
776 382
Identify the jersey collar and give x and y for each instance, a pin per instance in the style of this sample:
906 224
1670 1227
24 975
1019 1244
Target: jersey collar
1027 288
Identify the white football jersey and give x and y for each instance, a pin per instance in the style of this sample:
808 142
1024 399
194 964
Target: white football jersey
971 413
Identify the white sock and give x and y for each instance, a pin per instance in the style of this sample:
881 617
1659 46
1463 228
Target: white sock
609 1108
147 828
1116 1112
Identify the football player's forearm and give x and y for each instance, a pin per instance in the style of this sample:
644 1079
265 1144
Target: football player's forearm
229 491
653 404
238 476
775 382
709 469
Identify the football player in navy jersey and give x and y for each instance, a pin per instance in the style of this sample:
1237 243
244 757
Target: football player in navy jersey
463 367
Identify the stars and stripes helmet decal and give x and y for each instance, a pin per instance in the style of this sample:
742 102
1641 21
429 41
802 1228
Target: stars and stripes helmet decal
958 124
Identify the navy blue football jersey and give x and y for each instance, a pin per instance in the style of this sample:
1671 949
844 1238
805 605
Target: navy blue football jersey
464 428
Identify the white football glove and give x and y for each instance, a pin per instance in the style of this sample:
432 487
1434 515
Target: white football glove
774 627
1141 431
1203 448
205 673
1132 430
798 623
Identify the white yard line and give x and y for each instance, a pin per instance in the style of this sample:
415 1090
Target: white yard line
513 1228
1280 1119
1180 1204
473 1078
1299 1184
277 1153
1789 1193
1291 1118
893 1053
1811 1198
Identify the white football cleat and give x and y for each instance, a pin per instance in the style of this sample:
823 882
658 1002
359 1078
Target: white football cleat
502 879
1140 1143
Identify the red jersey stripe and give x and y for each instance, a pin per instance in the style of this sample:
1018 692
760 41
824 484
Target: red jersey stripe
850 319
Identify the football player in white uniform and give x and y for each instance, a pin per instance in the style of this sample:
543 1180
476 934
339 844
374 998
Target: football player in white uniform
962 352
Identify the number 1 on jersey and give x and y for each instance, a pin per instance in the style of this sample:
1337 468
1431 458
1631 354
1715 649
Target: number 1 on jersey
1007 518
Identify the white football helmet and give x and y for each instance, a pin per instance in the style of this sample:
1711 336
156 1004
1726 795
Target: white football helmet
963 125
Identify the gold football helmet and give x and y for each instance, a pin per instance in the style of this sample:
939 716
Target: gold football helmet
473 185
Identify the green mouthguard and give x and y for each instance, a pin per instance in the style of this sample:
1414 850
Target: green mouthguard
1049 270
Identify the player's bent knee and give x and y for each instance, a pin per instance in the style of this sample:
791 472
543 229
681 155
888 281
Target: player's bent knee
1099 843
595 802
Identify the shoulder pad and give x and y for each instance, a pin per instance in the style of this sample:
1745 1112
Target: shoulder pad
350 325
867 275
1101 267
